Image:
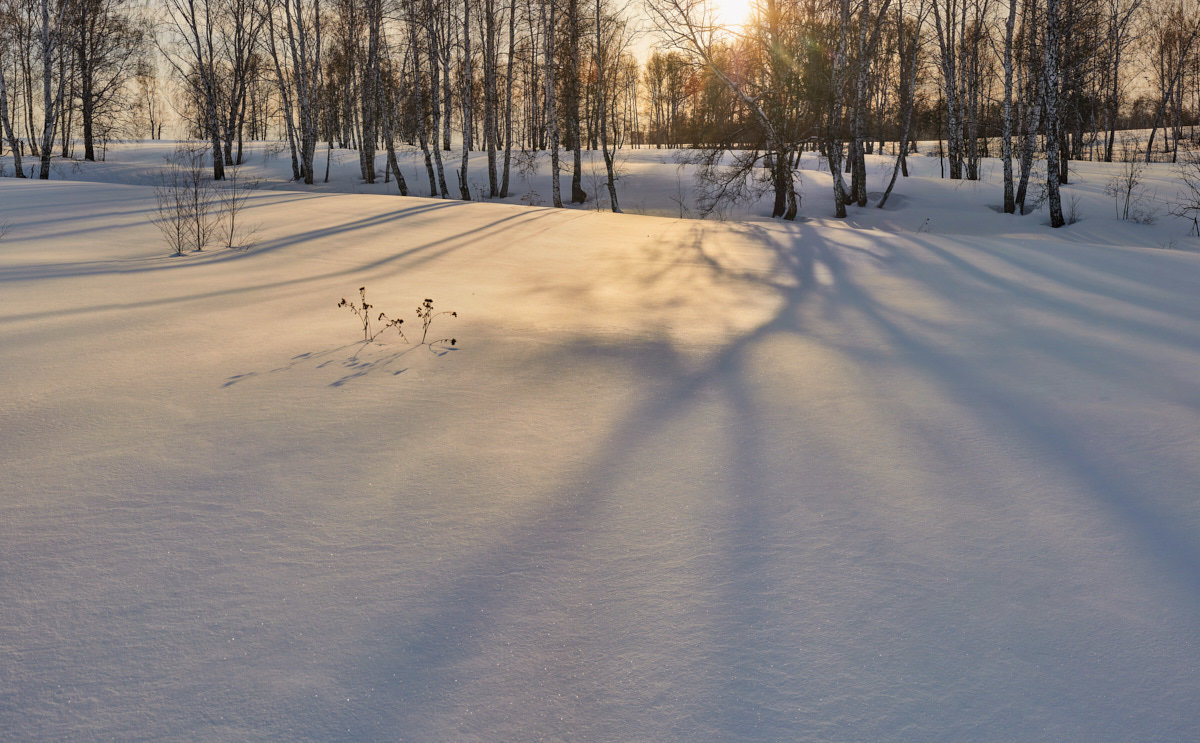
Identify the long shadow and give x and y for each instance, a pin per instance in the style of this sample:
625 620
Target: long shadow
377 220
1160 531
131 217
1107 308
463 606
419 659
425 655
167 262
410 257
1106 315
1053 266
1164 535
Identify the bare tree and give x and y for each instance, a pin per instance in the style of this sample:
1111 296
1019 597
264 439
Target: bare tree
6 122
193 26
1119 22
298 24
435 102
508 97
548 22
466 98
490 93
574 30
108 43
1051 74
437 180
386 86
611 38
908 47
1187 202
283 81
52 30
1006 136
241 24
148 100
690 26
1173 39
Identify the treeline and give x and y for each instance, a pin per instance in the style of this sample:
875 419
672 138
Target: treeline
484 75
479 75
1026 80
80 67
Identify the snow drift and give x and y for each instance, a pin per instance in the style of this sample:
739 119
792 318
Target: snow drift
927 474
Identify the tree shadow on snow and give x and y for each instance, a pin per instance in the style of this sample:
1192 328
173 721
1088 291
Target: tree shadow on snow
477 234
736 645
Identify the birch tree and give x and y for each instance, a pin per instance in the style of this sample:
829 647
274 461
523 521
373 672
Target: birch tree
551 98
1006 136
908 47
299 23
6 122
467 101
193 24
1173 39
689 26
52 31
1051 61
108 43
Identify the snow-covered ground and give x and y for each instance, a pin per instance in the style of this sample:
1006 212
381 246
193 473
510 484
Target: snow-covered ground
928 473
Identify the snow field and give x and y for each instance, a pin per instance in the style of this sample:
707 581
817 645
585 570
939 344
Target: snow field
918 475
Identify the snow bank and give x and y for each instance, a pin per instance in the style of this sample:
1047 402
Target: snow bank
919 475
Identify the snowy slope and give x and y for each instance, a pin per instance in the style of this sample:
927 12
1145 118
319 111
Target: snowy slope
920 475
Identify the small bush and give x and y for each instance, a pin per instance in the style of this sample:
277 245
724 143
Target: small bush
187 213
233 198
1073 212
426 313
527 168
363 311
1187 202
1131 202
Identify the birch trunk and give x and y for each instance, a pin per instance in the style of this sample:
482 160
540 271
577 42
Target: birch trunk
6 121
371 92
423 105
285 93
833 143
508 98
908 87
551 106
50 99
947 33
1006 153
601 88
490 94
578 195
435 102
1050 72
464 188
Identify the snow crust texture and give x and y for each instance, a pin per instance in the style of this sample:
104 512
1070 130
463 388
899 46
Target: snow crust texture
677 480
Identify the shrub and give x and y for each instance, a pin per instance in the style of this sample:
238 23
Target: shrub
186 211
362 310
233 198
425 313
1187 202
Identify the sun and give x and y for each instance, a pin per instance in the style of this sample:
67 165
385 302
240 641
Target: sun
733 12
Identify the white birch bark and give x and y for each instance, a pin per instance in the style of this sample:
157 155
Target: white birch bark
1050 74
551 104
